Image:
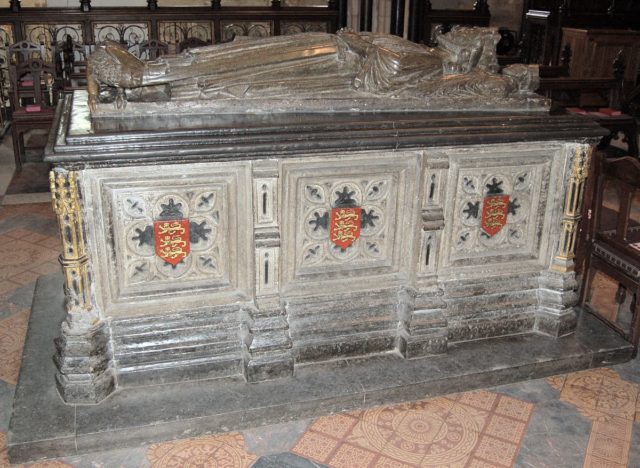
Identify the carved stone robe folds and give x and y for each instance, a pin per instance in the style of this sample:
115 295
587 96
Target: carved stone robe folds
317 66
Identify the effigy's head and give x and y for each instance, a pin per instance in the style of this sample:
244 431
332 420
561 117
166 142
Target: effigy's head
468 48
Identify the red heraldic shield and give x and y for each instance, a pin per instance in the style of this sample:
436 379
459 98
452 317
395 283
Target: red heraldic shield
494 214
172 240
345 226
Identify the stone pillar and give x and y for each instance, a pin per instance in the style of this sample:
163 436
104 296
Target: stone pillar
266 328
422 328
557 294
83 351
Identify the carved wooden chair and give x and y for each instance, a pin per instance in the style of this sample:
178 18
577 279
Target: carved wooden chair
25 50
71 64
34 94
611 273
598 98
152 49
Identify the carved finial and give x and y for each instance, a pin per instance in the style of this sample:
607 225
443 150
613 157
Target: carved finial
276 3
611 11
85 5
216 4
619 66
152 5
14 5
427 5
333 4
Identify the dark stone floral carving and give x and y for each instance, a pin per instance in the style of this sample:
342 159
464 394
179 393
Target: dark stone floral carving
494 188
320 221
513 206
171 210
198 231
144 236
345 198
368 219
472 209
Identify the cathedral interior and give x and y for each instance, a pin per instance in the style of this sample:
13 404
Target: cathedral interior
299 233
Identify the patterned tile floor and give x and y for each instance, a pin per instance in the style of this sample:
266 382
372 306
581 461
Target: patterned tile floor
584 419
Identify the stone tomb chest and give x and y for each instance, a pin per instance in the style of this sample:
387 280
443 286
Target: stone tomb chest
248 245
339 220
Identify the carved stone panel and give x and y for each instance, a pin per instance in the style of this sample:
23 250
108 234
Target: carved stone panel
380 189
500 202
187 238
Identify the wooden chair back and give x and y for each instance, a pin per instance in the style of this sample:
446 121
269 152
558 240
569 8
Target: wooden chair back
25 50
33 86
613 246
152 49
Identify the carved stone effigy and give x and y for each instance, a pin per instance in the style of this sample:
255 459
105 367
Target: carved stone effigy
212 239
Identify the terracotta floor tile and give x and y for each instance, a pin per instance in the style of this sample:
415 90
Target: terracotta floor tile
7 287
18 256
619 428
35 237
603 447
556 381
349 456
47 267
476 463
504 428
4 458
600 394
51 243
496 451
478 399
337 425
513 408
386 462
226 450
26 277
12 334
440 432
315 446
19 234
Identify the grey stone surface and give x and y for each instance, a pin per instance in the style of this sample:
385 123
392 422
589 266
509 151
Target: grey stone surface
274 439
285 460
536 391
124 458
23 296
6 398
140 415
634 451
41 424
557 436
